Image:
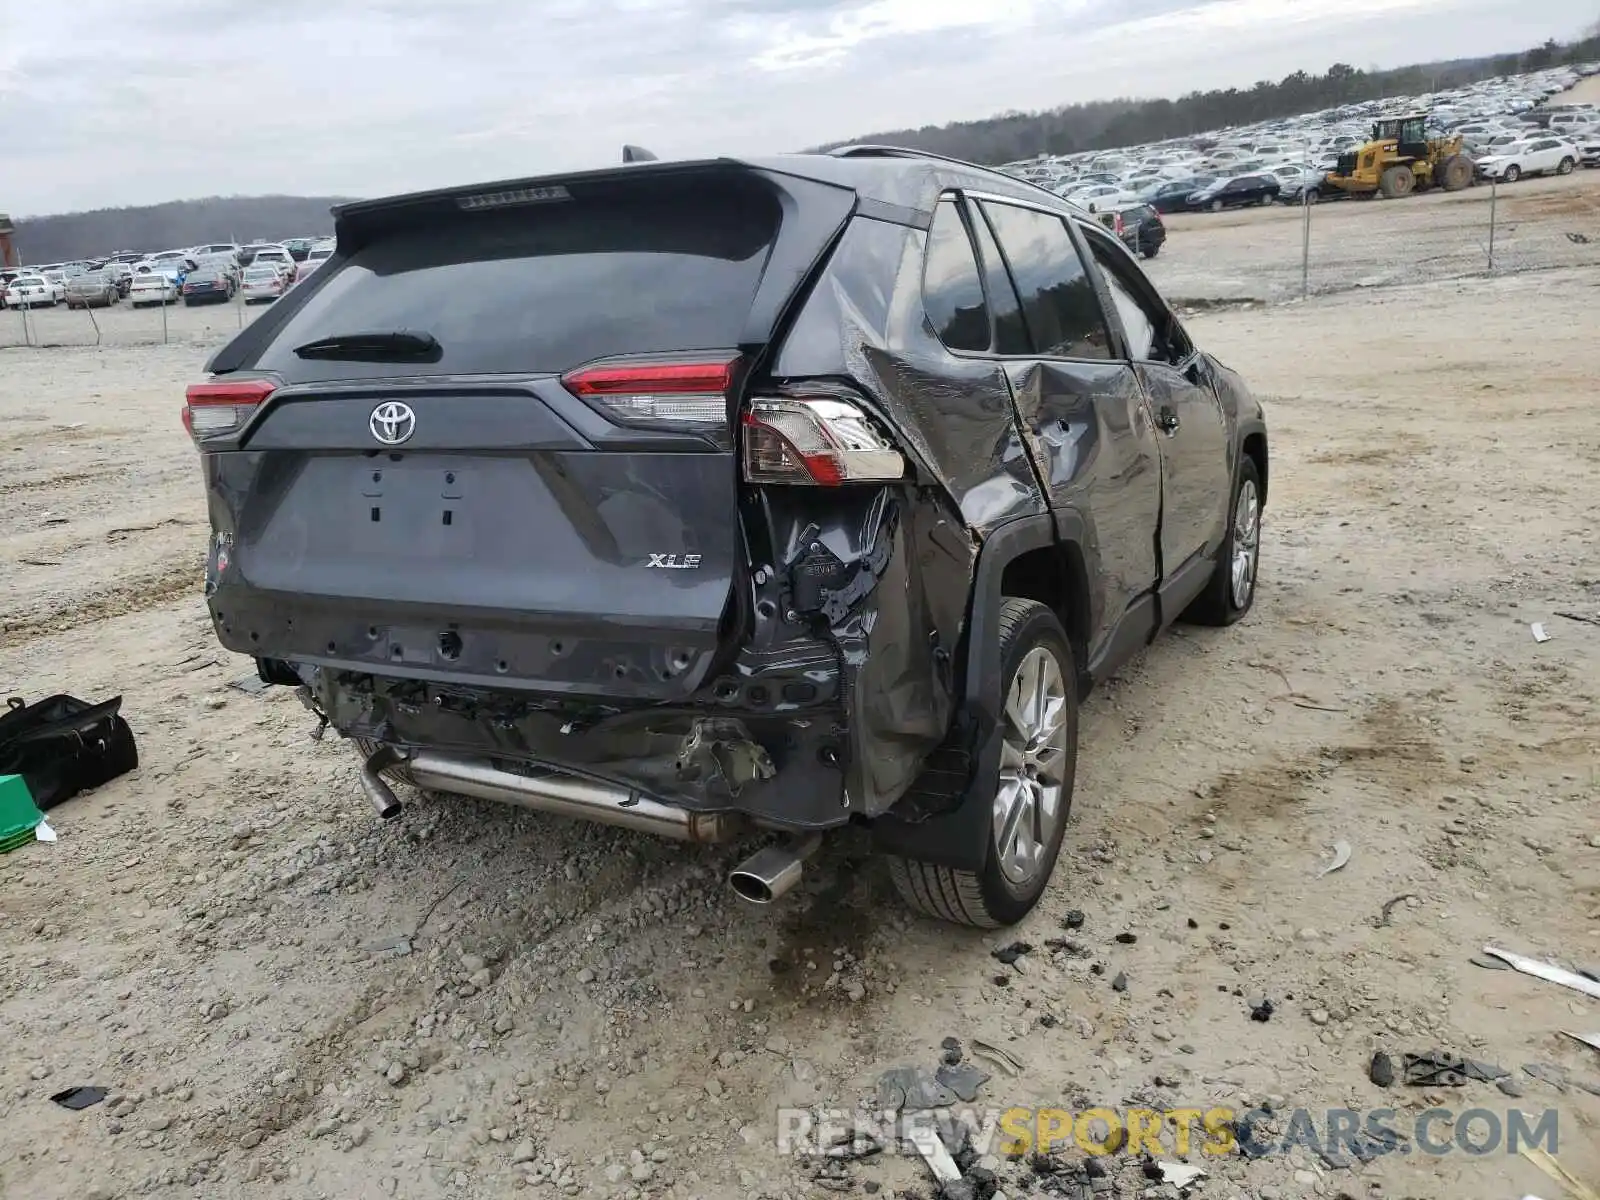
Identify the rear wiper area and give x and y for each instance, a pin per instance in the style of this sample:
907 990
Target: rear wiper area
398 345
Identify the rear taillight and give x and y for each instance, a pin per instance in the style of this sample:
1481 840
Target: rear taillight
816 440
222 406
1118 226
675 394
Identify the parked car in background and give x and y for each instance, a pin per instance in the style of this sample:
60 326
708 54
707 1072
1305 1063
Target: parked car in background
207 285
95 289
275 256
1139 226
1298 183
624 650
226 263
212 249
1174 196
263 283
298 248
1536 156
34 291
1237 192
315 257
1589 150
121 274
247 254
1099 196
153 287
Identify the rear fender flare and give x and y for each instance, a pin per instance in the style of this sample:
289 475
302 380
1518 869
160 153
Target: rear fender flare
959 839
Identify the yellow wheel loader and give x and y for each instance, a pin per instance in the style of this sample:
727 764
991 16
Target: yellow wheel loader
1400 159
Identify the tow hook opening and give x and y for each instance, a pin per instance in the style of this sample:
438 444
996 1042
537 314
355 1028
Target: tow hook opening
768 873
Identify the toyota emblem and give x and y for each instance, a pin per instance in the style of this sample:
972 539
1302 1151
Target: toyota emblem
392 422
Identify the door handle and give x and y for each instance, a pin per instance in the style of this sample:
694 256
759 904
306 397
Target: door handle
1167 421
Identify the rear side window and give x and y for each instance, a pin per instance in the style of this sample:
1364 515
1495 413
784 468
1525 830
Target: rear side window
1010 332
952 290
1058 299
544 288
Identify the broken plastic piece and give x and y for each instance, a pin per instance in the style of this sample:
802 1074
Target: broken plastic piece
1591 1040
1180 1175
934 1154
999 1056
911 1089
1434 1068
1539 635
1549 972
964 1081
1341 855
43 832
76 1098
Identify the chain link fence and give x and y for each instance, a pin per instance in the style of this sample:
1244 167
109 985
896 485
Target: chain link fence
121 324
1279 253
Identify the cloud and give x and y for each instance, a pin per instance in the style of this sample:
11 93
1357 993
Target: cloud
109 102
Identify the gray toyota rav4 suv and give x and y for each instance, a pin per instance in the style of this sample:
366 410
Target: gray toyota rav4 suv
707 497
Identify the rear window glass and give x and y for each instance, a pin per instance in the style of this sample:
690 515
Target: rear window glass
544 288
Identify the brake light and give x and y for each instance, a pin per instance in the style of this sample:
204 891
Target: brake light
672 393
222 406
815 440
1118 226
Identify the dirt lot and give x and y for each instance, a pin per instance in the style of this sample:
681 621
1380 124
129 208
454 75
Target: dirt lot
288 999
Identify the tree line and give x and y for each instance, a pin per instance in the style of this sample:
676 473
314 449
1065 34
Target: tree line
1108 124
170 226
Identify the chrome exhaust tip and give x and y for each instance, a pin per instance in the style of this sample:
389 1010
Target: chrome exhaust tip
378 793
767 874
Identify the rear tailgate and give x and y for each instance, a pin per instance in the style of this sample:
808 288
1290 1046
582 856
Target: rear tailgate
548 501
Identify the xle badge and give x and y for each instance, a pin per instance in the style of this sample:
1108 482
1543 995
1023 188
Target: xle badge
675 562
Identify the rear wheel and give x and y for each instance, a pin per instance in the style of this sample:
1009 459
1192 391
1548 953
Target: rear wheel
1216 206
1456 172
1566 167
1153 249
1397 181
1032 793
1232 589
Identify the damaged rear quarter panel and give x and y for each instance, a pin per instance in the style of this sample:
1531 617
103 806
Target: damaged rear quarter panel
915 544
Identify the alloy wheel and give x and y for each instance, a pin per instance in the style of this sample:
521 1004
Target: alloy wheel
1246 543
1033 765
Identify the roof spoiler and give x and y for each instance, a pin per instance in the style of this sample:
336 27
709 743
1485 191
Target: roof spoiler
633 154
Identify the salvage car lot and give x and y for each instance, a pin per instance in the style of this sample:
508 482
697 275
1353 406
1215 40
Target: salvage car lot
274 987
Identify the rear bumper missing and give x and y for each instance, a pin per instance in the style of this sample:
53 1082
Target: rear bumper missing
780 772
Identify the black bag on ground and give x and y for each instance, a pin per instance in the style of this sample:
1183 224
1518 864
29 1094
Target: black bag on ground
62 746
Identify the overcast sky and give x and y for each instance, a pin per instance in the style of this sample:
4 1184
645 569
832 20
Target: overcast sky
112 102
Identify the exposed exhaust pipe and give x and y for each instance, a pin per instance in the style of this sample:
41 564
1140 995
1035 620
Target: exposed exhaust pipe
378 793
768 874
564 795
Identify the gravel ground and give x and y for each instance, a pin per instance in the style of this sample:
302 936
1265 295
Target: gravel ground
286 998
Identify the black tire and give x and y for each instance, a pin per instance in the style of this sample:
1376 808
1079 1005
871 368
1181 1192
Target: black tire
1152 250
1396 182
1566 167
1456 172
1512 174
1218 604
988 898
1217 206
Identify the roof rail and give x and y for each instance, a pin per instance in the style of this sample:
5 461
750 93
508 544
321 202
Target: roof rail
876 151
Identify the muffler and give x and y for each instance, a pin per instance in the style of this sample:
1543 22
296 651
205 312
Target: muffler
563 795
378 793
768 874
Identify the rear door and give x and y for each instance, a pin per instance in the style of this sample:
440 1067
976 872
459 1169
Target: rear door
545 494
1196 472
1085 420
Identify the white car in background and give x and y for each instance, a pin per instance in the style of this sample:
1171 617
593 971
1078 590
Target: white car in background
35 291
265 282
315 257
1097 196
1536 156
1589 150
156 287
276 257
